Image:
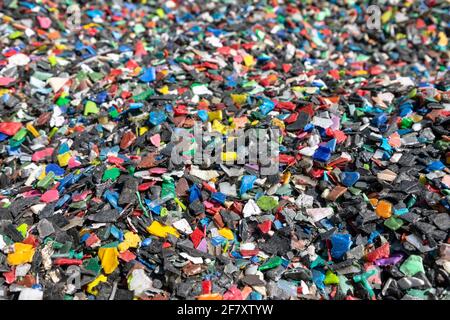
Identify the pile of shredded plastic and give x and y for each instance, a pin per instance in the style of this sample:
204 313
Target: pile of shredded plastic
92 96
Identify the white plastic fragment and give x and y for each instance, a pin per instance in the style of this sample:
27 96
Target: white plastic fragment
31 294
251 209
18 59
318 214
182 226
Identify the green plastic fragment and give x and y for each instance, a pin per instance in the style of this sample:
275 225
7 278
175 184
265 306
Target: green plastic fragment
95 76
138 195
412 265
271 263
331 278
393 223
355 191
144 95
78 205
90 107
267 203
92 264
23 229
62 101
111 245
111 174
411 201
15 143
114 113
168 187
20 135
318 262
421 294
363 279
412 93
406 123
15 35
47 181
139 28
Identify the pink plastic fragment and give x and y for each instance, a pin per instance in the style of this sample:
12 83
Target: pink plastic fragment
73 163
50 196
158 170
4 81
156 140
41 154
44 22
10 128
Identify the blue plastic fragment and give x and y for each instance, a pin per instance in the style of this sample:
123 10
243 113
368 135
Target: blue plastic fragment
194 193
146 242
57 170
3 137
318 278
349 178
157 117
322 154
63 148
379 119
254 296
341 243
247 183
435 166
66 181
112 198
215 241
266 106
116 233
148 75
203 115
219 197
331 145
401 211
94 13
62 201
375 234
84 237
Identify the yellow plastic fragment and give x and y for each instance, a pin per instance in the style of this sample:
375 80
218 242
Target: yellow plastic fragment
131 240
63 159
43 174
181 204
33 130
278 123
109 258
219 127
164 90
162 231
215 115
160 13
249 61
23 228
229 156
226 233
142 130
94 283
23 253
385 17
52 60
443 40
239 99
